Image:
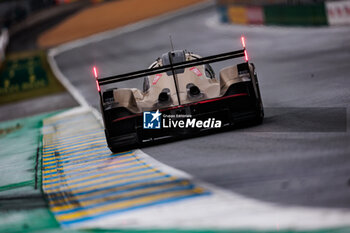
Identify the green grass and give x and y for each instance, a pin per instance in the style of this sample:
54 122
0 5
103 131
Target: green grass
22 205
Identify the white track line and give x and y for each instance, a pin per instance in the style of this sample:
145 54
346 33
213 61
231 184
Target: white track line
64 80
221 209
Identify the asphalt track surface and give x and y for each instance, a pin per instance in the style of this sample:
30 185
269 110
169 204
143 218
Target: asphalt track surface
300 156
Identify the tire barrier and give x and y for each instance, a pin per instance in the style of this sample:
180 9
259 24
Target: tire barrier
308 14
304 15
338 12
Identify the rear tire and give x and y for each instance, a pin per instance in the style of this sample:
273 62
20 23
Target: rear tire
132 145
260 113
259 118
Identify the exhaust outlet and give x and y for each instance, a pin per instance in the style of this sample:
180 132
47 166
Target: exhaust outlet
164 95
193 90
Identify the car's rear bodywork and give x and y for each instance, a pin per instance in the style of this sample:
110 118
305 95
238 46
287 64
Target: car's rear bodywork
180 83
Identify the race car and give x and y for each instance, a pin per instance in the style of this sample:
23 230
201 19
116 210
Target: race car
183 89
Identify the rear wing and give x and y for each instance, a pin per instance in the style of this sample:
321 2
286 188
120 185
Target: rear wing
172 67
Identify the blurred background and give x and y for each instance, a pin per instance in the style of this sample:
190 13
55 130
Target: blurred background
298 157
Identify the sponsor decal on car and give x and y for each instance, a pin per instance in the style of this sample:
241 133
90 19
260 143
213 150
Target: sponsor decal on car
151 120
196 71
191 123
157 120
156 78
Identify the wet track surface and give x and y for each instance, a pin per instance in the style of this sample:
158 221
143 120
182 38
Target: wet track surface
300 155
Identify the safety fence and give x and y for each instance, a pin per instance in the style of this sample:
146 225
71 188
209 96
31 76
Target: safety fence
278 12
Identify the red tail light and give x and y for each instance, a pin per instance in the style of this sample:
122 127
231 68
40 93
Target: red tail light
98 86
246 58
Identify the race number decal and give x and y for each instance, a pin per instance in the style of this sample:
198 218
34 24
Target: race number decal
156 78
196 71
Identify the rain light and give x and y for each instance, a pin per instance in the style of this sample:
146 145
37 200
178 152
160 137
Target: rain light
243 41
95 72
